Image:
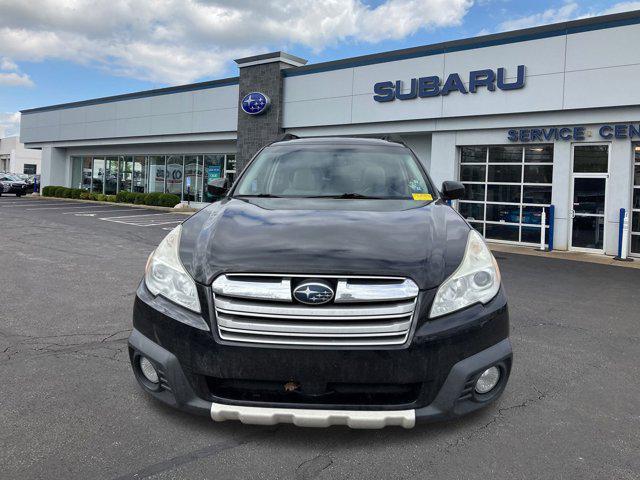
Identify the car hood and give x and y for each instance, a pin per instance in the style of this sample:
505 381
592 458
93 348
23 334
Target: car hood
420 240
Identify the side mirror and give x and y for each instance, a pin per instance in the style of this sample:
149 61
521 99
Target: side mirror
452 190
218 187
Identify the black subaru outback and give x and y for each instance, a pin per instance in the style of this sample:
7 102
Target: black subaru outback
332 284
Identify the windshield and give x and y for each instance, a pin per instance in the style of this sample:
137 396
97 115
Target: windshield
335 172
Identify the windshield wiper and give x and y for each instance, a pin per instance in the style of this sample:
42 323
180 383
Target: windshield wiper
348 196
260 195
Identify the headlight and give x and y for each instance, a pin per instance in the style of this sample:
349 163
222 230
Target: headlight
477 279
166 276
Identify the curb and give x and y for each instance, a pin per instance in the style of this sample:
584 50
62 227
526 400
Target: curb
184 211
561 255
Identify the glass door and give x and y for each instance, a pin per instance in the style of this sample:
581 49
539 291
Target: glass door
589 194
588 218
111 176
192 177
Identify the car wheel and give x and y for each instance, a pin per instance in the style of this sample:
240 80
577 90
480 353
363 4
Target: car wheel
18 195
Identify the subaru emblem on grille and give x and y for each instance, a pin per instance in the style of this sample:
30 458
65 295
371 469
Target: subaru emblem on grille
313 293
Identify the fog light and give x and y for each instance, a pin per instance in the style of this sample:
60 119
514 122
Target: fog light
488 380
148 370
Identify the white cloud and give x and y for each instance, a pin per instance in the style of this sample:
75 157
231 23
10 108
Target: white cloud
11 76
13 79
569 11
7 64
621 7
176 41
9 123
551 15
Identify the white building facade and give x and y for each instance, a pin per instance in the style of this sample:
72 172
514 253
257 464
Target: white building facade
15 158
548 116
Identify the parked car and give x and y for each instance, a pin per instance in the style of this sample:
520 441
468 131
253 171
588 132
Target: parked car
26 178
332 284
12 184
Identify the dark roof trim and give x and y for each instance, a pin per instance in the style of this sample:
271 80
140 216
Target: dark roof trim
144 94
267 56
535 33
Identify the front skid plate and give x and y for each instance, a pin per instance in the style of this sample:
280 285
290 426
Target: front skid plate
313 418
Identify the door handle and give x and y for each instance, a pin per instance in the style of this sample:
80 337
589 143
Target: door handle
573 214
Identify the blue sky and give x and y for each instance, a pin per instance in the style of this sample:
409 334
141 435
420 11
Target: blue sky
56 51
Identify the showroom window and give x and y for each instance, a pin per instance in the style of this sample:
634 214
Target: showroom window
635 206
506 189
152 173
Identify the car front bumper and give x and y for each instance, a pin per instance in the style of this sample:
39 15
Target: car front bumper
445 358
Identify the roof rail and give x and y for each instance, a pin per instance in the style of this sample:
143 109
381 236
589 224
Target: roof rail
394 139
284 137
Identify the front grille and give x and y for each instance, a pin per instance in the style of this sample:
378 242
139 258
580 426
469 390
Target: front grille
366 311
336 393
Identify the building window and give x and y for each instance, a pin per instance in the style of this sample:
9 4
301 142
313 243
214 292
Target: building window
635 203
152 173
507 187
29 168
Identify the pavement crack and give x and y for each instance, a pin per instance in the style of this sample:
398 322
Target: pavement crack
206 452
312 467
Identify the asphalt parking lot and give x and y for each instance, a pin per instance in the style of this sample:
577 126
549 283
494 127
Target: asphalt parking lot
70 407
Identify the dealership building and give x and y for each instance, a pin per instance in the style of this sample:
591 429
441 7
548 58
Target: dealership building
547 116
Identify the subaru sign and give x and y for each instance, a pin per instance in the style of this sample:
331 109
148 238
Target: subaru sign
255 103
425 87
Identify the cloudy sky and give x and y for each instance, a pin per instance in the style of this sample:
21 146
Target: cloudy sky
54 51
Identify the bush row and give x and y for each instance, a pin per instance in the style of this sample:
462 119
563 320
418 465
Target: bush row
154 198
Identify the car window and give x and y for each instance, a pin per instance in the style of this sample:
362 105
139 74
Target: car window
321 171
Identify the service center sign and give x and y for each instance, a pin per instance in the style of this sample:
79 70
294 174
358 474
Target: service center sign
578 133
425 87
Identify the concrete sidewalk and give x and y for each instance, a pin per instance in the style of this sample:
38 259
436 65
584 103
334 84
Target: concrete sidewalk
563 255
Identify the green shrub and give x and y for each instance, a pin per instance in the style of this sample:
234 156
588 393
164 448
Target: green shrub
169 200
153 198
124 197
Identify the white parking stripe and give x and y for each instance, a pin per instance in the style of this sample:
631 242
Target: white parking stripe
152 224
103 211
145 220
19 204
60 208
145 215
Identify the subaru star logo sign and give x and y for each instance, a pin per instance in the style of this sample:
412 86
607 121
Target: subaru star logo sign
313 293
255 103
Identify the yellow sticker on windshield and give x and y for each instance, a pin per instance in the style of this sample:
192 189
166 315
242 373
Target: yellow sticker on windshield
422 196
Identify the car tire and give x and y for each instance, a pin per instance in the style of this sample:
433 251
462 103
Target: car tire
18 195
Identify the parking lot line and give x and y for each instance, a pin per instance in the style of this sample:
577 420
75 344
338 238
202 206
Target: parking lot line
144 215
145 220
60 208
103 211
24 202
153 224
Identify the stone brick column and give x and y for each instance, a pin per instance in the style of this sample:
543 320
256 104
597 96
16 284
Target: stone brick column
261 73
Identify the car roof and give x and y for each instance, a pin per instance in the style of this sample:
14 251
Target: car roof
359 141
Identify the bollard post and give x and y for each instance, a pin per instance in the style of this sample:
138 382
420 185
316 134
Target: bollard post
552 216
623 237
543 223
